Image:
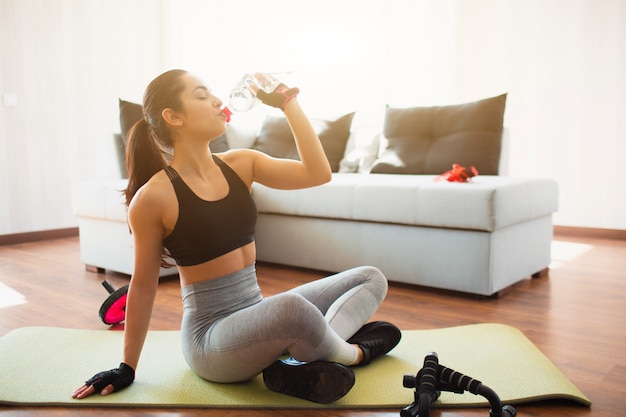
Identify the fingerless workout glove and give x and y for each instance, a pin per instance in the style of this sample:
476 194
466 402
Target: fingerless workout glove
279 97
120 378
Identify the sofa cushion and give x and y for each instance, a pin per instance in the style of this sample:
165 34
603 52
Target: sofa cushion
130 113
276 139
487 203
428 140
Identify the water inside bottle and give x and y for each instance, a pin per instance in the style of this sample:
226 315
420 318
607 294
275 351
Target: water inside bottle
241 101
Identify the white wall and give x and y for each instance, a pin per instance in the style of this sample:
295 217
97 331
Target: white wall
67 62
561 61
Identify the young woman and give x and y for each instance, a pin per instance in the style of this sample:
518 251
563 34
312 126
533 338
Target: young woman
199 210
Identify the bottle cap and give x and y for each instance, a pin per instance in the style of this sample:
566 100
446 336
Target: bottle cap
227 113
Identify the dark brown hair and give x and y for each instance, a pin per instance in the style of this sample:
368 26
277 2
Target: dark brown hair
150 138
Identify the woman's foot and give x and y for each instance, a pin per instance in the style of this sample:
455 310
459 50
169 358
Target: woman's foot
319 382
375 339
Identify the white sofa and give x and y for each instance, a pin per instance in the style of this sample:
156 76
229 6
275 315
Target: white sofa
478 237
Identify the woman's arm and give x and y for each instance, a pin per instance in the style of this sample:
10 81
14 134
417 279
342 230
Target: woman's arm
146 224
147 237
313 168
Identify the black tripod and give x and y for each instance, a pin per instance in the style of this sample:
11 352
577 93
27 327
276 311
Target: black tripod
434 378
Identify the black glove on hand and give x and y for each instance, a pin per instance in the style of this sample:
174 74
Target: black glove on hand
120 378
279 97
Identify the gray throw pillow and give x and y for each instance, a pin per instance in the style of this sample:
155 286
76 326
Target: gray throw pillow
130 113
428 140
276 139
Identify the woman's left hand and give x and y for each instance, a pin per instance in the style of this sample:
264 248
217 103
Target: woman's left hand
279 97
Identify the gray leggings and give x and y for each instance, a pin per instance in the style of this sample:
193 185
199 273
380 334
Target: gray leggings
230 332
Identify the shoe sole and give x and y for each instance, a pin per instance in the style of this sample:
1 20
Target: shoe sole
319 382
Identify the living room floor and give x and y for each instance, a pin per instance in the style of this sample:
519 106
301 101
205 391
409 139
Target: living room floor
576 315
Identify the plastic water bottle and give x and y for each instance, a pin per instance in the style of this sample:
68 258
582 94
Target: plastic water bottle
243 96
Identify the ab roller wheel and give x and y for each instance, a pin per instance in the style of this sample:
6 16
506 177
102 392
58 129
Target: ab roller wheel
113 310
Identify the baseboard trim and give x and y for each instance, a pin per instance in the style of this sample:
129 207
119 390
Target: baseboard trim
589 232
37 236
566 231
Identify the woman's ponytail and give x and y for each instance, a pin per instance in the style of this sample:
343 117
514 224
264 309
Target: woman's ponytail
150 138
144 158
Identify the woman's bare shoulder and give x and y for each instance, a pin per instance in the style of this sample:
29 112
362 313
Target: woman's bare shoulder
242 162
156 193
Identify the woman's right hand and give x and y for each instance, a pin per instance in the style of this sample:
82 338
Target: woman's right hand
106 382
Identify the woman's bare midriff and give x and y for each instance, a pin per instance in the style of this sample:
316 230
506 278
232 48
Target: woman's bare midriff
226 264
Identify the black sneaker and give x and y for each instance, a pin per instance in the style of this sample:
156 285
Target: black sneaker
376 339
319 382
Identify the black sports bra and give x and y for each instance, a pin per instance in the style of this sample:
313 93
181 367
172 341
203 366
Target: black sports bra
206 230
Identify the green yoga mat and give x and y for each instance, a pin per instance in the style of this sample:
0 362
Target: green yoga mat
43 365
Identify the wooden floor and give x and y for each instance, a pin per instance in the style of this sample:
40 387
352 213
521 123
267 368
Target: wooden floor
576 315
